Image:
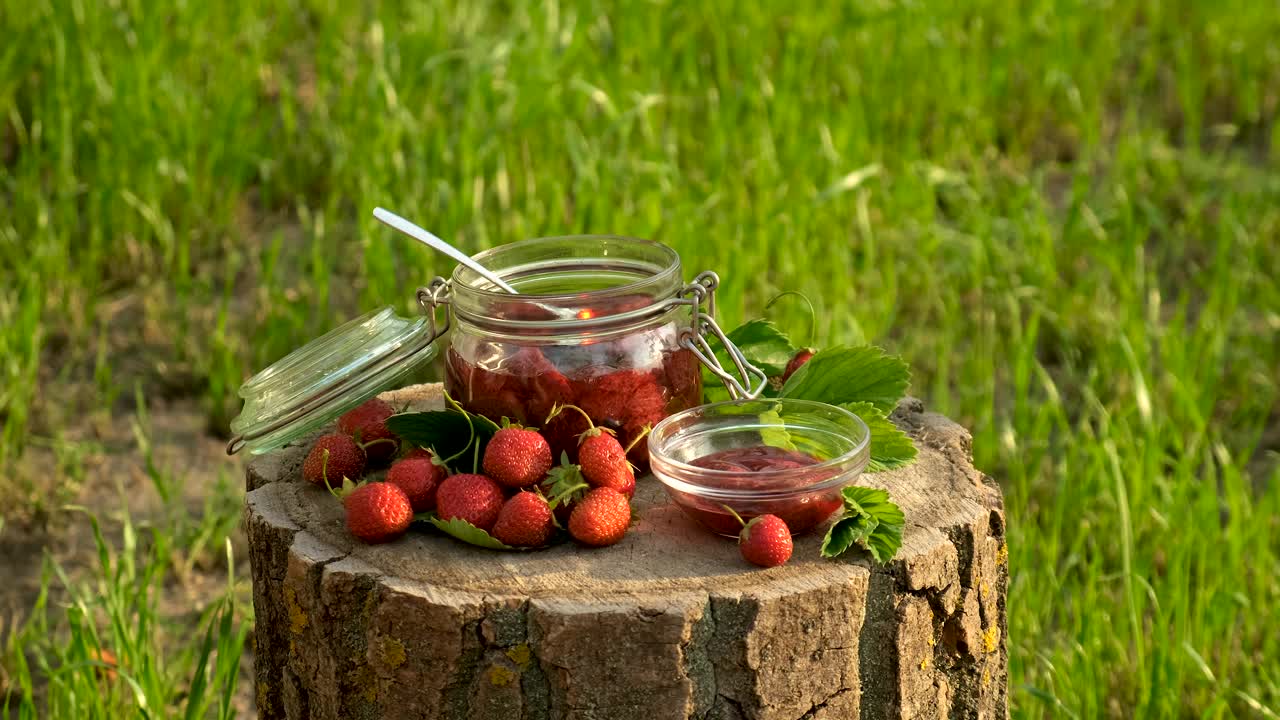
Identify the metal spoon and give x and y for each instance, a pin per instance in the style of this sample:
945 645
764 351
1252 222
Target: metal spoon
424 236
429 239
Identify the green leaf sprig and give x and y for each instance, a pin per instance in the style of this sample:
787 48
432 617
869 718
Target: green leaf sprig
457 436
869 519
862 374
864 380
465 531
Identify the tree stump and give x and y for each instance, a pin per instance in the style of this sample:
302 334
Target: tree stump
669 623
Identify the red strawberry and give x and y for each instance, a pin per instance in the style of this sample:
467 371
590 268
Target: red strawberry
604 462
600 518
765 541
474 498
334 457
626 401
368 425
796 363
524 521
517 457
417 453
419 477
378 512
628 485
602 459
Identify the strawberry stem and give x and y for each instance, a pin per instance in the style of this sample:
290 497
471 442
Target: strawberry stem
735 515
324 475
437 460
348 487
567 493
371 443
644 432
509 423
813 315
558 408
471 427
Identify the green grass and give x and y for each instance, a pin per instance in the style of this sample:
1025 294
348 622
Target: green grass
1064 214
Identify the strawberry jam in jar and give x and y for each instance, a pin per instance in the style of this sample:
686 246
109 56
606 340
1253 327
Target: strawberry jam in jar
784 457
603 323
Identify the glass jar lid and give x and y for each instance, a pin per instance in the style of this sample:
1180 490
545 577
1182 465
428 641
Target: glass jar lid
323 379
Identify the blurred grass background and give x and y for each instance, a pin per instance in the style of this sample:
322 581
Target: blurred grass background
1064 213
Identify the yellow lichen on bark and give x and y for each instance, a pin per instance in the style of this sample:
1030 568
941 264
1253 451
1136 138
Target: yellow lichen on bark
297 616
500 676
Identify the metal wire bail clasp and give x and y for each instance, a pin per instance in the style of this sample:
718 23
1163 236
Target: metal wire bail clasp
750 380
431 298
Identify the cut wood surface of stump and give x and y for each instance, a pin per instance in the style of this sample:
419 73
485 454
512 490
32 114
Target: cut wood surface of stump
668 623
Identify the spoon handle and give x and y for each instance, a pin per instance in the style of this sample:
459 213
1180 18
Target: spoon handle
421 235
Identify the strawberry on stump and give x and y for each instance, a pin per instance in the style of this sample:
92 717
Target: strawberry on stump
368 425
420 477
796 362
377 512
524 521
474 498
765 540
517 457
601 457
333 458
600 518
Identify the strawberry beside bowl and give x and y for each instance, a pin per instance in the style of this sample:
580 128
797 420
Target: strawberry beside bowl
784 457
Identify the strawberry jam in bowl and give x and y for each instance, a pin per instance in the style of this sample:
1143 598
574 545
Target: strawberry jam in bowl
599 323
784 457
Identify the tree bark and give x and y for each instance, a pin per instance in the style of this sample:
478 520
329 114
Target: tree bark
669 623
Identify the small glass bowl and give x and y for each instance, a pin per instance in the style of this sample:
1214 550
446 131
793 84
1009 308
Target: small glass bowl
803 496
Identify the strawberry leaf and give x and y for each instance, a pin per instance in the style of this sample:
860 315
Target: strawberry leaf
446 431
567 484
453 434
884 541
773 431
762 343
870 519
852 527
482 431
851 374
890 447
464 531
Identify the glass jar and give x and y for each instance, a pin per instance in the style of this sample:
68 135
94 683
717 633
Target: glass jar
604 323
598 325
784 457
